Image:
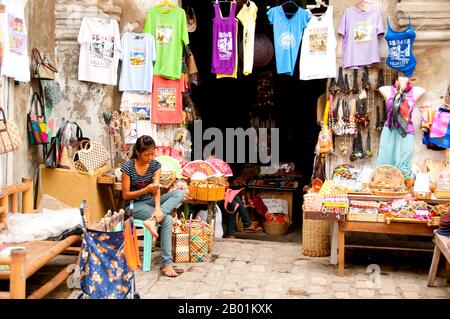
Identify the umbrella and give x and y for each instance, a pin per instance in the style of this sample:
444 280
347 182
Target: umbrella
169 163
199 170
220 165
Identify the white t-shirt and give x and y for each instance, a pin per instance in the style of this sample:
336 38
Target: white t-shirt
16 63
318 53
137 103
99 51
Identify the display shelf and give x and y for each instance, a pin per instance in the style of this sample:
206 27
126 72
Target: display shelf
389 198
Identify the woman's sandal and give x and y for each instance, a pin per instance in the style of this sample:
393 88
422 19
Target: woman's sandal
168 272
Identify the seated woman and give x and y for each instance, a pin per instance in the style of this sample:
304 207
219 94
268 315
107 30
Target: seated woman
140 183
232 204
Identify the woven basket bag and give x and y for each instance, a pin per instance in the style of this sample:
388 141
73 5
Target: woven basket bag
315 238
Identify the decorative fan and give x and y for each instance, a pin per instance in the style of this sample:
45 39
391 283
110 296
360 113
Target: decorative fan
198 170
170 151
220 165
169 164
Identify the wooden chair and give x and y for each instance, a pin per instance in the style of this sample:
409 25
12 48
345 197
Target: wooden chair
25 262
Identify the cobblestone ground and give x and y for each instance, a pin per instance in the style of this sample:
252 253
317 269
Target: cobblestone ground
260 269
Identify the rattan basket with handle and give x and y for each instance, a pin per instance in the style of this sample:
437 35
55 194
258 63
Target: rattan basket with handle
315 238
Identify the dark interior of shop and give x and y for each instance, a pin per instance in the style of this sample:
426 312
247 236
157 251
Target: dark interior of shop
230 103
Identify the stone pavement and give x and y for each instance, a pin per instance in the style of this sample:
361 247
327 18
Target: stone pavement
261 269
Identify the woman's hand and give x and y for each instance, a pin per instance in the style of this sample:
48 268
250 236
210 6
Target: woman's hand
152 188
158 214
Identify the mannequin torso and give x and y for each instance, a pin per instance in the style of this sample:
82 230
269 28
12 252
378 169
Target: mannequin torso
417 90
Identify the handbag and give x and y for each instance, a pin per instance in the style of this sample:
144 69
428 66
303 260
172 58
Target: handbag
36 123
9 135
41 67
325 140
71 137
191 20
91 156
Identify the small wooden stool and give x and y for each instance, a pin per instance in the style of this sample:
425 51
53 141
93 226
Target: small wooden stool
440 247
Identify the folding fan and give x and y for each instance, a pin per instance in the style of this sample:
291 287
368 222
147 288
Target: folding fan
169 164
198 170
220 165
170 151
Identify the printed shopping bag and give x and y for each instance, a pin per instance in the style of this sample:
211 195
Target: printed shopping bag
36 122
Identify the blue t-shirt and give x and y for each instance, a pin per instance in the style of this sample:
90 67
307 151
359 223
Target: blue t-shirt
138 54
287 35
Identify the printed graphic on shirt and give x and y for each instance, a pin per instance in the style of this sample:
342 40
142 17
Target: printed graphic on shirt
17 37
225 45
318 41
164 34
137 57
101 50
399 52
167 99
363 31
286 40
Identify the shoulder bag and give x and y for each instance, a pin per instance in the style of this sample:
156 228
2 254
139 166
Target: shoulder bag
42 69
36 122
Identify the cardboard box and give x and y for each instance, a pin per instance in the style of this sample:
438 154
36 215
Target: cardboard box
71 187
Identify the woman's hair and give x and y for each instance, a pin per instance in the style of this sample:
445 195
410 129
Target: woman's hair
143 143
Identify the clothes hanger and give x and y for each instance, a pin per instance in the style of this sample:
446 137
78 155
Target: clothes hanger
293 2
319 3
362 2
167 3
409 16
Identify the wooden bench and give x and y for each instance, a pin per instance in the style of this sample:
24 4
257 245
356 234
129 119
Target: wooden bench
440 248
25 262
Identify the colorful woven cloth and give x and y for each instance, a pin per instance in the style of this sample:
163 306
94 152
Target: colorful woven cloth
400 108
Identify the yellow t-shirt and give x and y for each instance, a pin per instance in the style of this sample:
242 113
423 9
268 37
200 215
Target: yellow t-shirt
247 16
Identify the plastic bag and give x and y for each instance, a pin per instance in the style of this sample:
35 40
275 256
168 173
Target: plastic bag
218 231
40 226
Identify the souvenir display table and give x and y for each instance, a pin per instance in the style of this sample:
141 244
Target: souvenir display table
397 227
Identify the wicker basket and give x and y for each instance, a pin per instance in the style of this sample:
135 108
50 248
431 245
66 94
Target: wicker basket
315 238
207 191
275 228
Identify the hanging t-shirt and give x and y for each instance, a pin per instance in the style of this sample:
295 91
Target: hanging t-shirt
99 51
318 53
224 40
16 63
247 16
167 100
168 27
401 56
138 55
236 62
287 33
360 31
137 103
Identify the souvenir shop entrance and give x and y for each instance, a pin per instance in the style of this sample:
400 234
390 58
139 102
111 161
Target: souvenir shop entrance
260 99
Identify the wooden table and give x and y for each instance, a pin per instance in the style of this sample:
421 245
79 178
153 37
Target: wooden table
413 229
440 248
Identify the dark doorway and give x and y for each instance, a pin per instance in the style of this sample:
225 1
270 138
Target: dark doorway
229 103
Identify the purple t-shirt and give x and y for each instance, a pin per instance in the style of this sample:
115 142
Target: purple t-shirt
224 40
360 31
